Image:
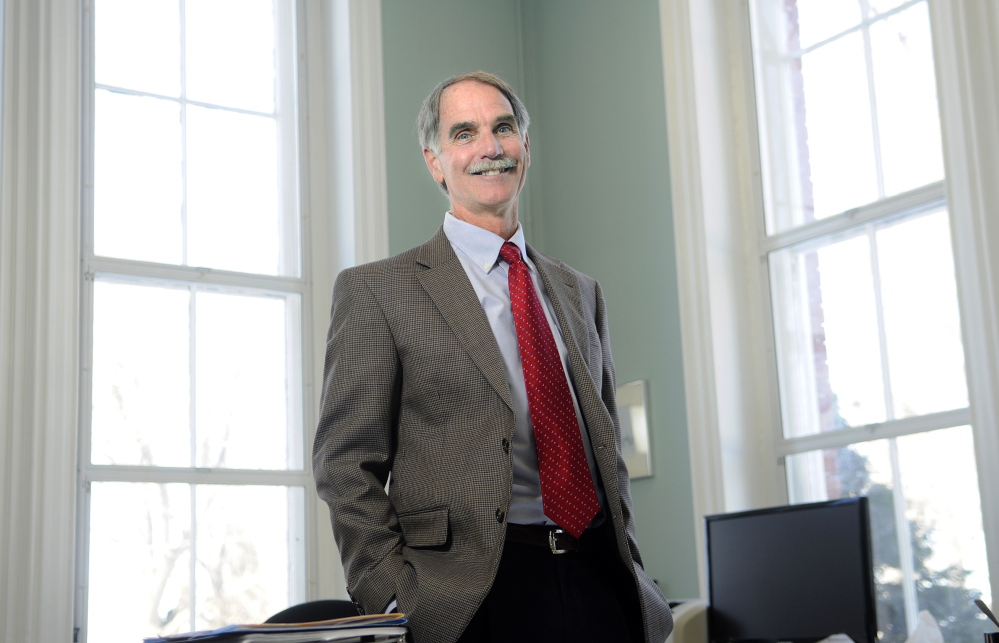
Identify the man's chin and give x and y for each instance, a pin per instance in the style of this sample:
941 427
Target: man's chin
486 207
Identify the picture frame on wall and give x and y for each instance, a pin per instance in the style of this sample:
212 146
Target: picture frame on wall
633 415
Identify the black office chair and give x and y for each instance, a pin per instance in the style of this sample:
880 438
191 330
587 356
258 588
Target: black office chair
322 610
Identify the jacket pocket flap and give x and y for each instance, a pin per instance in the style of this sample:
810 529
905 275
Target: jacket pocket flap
425 528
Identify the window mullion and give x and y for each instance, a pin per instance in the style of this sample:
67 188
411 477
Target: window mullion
294 390
291 232
126 268
192 559
912 202
904 539
889 429
192 361
873 99
864 24
198 475
86 321
183 132
879 311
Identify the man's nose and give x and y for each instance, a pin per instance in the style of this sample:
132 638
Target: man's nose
491 146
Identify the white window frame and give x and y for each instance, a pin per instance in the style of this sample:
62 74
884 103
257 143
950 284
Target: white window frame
344 203
291 282
731 392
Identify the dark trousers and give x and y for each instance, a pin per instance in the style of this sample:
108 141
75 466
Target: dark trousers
578 597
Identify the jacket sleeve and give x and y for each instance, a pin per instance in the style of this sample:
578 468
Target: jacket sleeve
356 441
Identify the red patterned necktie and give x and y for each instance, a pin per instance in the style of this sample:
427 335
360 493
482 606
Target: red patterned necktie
567 493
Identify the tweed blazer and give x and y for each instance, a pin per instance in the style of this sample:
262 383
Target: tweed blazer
415 399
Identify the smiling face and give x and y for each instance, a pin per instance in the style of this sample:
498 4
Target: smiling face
483 157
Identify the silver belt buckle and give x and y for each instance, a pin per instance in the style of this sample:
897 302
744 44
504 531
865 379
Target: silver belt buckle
551 542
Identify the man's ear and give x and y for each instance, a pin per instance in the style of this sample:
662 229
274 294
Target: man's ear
433 164
527 148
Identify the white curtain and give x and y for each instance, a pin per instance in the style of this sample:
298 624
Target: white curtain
39 327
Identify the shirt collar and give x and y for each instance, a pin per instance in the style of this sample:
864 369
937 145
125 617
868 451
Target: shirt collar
478 244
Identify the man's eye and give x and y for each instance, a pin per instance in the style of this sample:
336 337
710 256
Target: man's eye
464 136
504 129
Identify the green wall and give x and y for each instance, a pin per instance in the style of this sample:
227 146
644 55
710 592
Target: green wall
426 41
597 197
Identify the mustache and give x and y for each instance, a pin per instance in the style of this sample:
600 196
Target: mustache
504 163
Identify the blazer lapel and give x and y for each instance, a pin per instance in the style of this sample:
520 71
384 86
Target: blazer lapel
563 289
564 293
445 281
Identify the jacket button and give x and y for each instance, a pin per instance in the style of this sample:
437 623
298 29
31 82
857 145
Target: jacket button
500 515
506 446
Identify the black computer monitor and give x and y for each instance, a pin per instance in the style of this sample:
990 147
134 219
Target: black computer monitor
796 573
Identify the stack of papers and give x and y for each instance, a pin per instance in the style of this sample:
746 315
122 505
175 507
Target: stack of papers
374 628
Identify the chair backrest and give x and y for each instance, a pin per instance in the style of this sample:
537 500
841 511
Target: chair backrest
322 610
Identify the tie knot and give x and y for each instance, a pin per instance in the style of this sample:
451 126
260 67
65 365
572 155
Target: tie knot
510 253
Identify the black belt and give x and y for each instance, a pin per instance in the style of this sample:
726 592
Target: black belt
553 538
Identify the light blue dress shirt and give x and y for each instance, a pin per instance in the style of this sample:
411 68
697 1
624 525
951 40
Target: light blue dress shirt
478 251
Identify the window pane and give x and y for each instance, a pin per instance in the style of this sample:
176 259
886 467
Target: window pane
244 382
139 560
853 120
826 332
233 216
922 324
828 303
945 516
196 185
246 563
878 7
838 132
231 62
905 87
818 20
251 549
138 45
245 376
936 477
860 470
141 381
137 178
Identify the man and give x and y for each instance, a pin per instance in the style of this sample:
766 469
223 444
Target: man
472 376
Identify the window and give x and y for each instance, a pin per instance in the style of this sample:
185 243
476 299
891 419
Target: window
192 457
45 303
836 300
867 334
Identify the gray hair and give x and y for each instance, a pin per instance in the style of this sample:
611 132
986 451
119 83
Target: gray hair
428 123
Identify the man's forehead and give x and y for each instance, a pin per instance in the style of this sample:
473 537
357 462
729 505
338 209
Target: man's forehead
469 95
